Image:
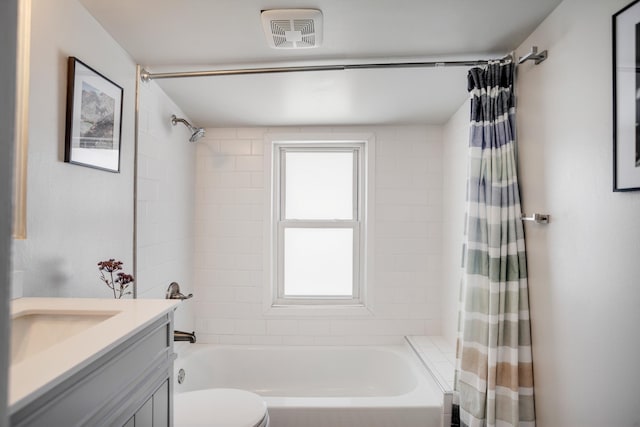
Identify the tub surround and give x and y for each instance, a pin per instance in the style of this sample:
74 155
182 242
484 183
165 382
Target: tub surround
231 264
35 374
320 385
439 358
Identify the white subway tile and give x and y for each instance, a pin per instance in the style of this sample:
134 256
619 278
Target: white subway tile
234 229
405 229
251 133
298 340
390 311
257 147
147 145
402 295
249 163
235 147
155 169
248 294
218 326
395 148
392 246
432 326
331 340
376 340
235 339
228 278
257 179
253 196
208 338
235 245
393 179
388 212
216 162
405 197
222 133
147 190
250 262
427 150
282 327
207 147
148 233
250 327
240 212
225 179
218 294
410 262
314 327
266 340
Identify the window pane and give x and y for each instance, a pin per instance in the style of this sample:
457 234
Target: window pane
319 185
318 261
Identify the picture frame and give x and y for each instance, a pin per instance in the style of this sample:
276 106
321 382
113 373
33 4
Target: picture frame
94 118
626 98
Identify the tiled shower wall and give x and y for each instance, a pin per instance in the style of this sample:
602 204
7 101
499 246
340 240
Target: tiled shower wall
165 202
230 211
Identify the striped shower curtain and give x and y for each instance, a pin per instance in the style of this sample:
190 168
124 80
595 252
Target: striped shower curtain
494 375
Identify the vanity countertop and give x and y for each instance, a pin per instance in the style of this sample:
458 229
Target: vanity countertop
37 373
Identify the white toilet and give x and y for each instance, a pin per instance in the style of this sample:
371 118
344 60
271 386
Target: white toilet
219 407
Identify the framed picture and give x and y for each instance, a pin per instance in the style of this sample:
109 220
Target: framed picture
94 118
626 98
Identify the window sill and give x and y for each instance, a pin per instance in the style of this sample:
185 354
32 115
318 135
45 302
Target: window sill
298 310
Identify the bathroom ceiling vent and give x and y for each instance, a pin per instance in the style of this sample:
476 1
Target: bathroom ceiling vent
292 28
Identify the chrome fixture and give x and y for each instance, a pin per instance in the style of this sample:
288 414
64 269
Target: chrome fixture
173 292
196 133
537 218
184 336
146 75
181 375
534 56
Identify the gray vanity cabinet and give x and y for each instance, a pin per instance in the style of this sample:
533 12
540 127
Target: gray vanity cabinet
154 412
129 385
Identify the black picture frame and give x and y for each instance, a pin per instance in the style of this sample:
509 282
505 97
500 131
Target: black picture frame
93 130
626 98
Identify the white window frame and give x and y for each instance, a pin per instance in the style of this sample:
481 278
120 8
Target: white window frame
355 224
363 146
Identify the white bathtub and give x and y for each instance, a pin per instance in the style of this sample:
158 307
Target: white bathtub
303 386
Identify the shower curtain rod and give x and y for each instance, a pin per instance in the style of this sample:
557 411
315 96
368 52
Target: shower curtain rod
146 75
533 55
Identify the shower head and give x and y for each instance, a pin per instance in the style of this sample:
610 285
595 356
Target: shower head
196 133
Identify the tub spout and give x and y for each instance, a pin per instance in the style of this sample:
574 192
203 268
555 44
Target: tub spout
184 336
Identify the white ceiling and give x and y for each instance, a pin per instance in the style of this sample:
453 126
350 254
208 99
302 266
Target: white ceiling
172 35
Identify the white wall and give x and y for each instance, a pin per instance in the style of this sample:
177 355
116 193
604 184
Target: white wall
583 266
165 202
454 185
229 228
77 216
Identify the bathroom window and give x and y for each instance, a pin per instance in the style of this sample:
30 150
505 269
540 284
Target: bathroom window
319 231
